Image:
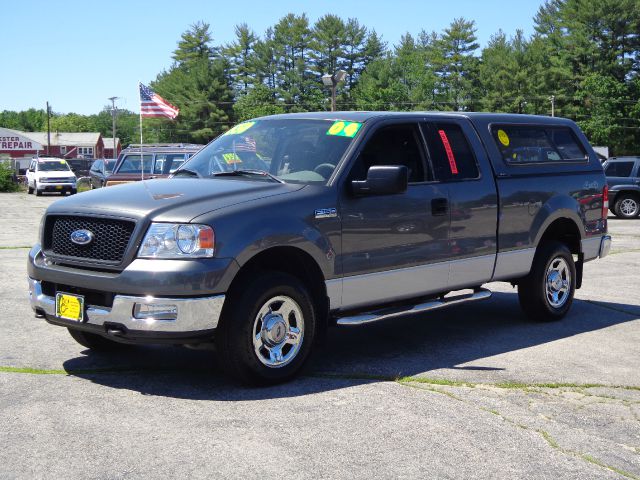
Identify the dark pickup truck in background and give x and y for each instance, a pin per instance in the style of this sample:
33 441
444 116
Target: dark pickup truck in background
623 178
356 217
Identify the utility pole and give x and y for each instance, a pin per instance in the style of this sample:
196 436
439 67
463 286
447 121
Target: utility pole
48 128
113 124
553 105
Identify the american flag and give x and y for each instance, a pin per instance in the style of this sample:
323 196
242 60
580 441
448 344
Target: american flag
245 144
153 105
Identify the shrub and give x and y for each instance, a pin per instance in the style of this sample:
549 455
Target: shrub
7 181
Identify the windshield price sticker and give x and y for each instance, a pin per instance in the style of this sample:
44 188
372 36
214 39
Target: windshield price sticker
344 129
231 158
240 128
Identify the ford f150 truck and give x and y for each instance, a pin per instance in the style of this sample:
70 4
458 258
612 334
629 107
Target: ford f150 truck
355 217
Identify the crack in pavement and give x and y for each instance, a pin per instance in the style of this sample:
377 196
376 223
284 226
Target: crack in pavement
548 438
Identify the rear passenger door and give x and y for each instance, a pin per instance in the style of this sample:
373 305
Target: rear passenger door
621 172
461 166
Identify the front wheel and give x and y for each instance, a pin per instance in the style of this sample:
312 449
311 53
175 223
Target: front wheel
267 331
546 294
38 192
626 206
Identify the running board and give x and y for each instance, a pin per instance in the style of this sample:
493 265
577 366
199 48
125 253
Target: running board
385 314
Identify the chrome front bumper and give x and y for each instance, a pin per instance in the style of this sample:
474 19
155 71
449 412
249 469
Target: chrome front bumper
193 314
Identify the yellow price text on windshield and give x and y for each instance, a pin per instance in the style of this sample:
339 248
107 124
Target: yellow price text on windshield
344 129
240 128
231 158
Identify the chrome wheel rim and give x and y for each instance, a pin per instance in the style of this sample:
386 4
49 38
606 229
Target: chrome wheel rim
558 282
278 331
629 207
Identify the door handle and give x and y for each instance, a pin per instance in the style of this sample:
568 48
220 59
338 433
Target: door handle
439 206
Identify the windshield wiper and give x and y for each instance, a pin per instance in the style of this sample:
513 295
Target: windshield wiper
187 172
245 172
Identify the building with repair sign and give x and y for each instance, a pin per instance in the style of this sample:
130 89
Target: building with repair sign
15 144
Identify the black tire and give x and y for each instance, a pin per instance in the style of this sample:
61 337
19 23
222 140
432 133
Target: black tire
535 290
73 191
29 190
94 342
236 343
627 206
38 192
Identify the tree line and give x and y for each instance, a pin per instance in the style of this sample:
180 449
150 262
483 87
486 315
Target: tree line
582 62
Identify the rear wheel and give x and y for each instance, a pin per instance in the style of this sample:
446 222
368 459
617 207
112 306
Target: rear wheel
546 294
626 206
93 341
267 331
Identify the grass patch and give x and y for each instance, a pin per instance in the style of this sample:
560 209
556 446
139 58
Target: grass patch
549 439
597 462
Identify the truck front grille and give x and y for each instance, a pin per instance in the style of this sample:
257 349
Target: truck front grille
111 237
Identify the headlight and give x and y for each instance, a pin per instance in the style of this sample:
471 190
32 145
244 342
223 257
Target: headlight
177 240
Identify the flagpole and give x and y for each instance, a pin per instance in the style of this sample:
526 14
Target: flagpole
141 158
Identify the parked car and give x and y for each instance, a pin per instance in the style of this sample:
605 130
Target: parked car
149 161
351 222
623 178
99 172
48 174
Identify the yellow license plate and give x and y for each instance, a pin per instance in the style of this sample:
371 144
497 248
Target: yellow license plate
58 187
70 307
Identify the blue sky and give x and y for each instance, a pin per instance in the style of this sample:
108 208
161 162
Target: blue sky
77 53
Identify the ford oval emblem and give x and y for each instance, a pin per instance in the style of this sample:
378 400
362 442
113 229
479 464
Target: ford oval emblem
82 237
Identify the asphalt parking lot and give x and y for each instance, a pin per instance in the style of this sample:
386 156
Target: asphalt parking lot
475 391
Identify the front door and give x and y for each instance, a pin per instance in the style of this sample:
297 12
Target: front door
394 246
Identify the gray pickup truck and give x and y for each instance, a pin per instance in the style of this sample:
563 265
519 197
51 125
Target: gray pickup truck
288 224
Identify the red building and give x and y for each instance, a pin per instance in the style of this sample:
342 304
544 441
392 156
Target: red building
17 144
108 147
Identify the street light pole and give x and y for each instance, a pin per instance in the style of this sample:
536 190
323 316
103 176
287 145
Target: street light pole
553 105
332 81
113 124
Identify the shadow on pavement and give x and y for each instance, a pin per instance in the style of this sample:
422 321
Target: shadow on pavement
446 339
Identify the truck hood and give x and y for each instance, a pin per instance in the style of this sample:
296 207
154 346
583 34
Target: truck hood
171 200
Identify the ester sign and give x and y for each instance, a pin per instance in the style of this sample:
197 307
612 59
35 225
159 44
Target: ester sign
12 140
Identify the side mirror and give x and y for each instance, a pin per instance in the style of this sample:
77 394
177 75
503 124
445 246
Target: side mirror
383 180
32 170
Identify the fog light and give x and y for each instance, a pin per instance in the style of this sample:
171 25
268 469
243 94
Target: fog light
155 311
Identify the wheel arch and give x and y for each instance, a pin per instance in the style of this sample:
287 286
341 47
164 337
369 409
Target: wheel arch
293 261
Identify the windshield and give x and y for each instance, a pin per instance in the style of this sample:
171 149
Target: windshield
55 166
108 165
293 150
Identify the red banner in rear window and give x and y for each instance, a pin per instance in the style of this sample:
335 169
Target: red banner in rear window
447 147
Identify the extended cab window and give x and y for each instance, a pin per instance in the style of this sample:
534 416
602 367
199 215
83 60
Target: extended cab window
451 155
521 144
393 145
619 169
